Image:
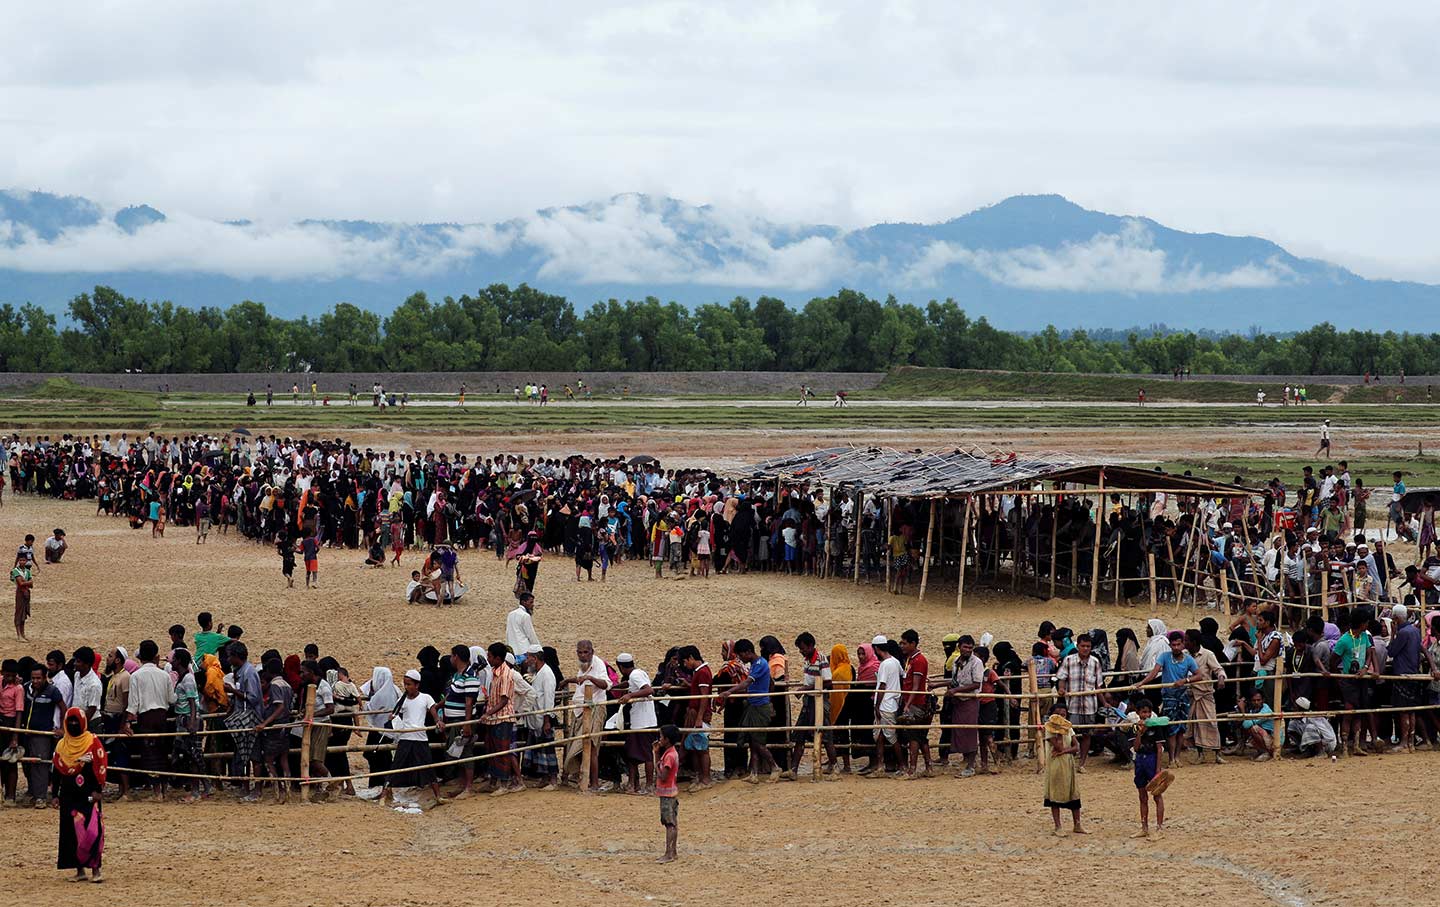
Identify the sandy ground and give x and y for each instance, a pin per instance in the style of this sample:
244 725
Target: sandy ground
1244 833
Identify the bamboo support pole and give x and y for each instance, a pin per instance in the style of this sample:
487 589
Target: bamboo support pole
929 546
859 512
1170 565
1054 541
1225 591
1278 708
1074 566
817 768
587 747
995 541
1095 553
309 694
888 506
964 546
1037 740
1150 566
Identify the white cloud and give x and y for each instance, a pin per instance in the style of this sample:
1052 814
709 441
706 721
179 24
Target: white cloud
187 244
1230 116
626 241
1124 262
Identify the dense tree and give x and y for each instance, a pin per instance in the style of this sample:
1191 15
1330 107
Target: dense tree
522 328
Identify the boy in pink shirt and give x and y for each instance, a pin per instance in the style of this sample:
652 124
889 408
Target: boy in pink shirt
667 774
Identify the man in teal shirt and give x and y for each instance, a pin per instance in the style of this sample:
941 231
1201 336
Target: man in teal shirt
1260 731
1352 656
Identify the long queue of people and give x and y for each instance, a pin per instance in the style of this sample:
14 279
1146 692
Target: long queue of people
472 699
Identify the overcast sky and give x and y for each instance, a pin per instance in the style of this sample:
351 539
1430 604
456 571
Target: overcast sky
1315 124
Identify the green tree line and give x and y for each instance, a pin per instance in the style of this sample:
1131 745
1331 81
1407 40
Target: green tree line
522 328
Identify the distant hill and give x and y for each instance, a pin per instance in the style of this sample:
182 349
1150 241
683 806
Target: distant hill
1024 262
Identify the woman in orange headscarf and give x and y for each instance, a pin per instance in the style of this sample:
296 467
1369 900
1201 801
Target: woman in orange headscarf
79 780
842 675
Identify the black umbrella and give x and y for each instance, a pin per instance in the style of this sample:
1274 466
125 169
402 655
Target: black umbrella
523 495
642 460
240 431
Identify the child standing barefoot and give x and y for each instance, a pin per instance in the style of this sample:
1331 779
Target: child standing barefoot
667 766
1149 733
1062 789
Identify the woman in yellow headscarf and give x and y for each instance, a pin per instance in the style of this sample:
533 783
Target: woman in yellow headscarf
1062 789
81 766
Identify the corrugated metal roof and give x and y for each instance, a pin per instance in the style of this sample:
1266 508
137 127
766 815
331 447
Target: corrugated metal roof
952 471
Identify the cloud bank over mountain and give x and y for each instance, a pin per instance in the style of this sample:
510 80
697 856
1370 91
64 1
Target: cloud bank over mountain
1024 262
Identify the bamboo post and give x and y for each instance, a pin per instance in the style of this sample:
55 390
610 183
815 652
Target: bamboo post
1095 552
964 546
309 693
1017 549
1249 557
1184 570
889 508
1150 565
819 765
1276 706
995 544
929 545
1174 577
826 566
940 541
1116 578
1032 682
859 522
1074 566
1054 539
1224 591
587 745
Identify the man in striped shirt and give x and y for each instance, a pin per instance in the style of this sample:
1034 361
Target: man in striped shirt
499 722
459 709
1079 679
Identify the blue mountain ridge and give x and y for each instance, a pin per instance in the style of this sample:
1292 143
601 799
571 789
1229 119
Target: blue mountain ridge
1024 262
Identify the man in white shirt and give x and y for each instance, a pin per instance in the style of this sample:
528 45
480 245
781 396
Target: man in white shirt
313 677
591 672
151 696
639 741
540 762
55 667
520 632
887 705
88 693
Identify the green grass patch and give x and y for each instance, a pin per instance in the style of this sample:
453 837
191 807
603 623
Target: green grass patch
54 390
139 411
965 384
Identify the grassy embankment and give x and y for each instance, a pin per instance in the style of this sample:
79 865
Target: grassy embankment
58 406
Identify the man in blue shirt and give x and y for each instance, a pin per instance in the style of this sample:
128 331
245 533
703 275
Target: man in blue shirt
1175 668
1405 659
758 711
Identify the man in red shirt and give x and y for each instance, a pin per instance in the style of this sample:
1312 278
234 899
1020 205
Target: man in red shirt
915 703
697 713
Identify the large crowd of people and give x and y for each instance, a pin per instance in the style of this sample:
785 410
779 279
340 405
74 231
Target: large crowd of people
201 713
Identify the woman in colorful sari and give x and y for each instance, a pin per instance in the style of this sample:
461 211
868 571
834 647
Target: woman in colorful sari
78 781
